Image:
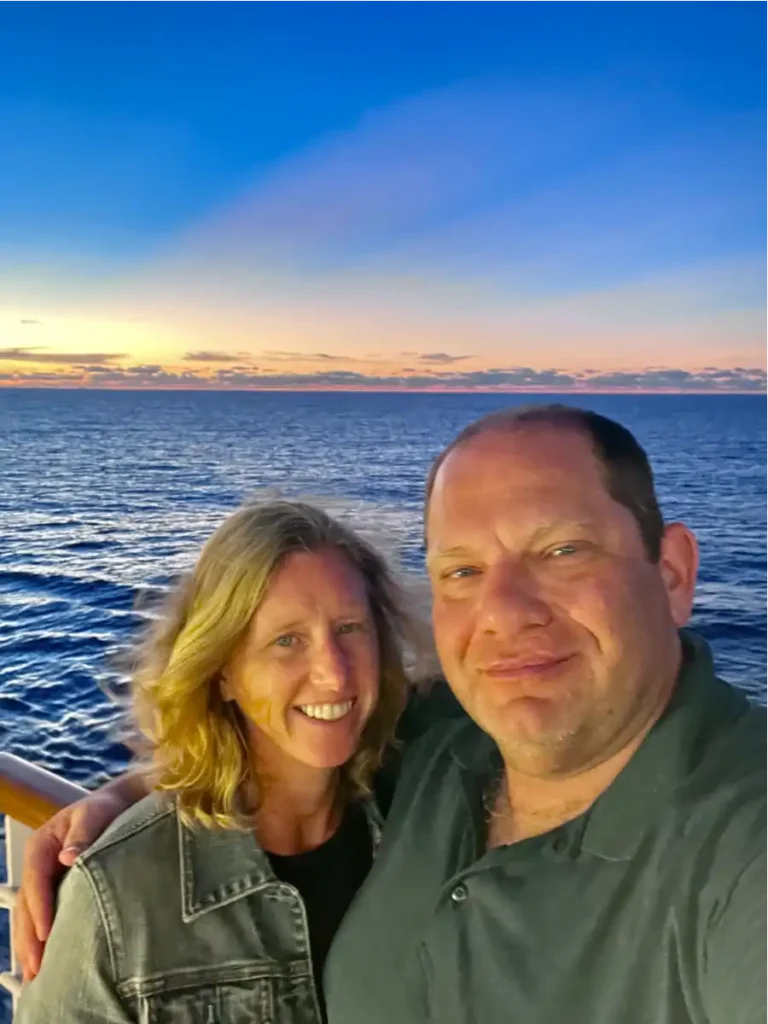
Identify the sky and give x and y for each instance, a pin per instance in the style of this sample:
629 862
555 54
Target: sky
449 196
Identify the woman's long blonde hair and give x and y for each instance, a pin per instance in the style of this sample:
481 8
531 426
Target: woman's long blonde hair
193 740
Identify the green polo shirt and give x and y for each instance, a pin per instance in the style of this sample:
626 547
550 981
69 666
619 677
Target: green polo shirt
648 909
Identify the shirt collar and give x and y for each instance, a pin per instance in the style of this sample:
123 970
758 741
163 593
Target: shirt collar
615 824
701 706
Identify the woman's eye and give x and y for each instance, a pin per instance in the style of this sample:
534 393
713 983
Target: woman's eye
351 627
286 640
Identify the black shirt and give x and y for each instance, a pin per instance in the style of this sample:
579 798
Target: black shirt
327 879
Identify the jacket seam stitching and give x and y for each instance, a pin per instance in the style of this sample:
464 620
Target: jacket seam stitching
105 919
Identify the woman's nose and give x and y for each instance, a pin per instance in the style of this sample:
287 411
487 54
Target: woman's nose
330 667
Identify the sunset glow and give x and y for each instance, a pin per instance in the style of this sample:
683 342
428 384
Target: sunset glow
473 230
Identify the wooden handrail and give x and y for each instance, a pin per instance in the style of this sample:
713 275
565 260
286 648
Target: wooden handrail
25 805
31 795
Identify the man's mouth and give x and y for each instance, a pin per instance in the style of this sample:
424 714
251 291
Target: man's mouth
528 666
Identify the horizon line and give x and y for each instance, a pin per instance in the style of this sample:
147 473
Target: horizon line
542 390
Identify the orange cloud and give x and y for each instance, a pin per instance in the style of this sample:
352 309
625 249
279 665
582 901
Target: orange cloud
510 378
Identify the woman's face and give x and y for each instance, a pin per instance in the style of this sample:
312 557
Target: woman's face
306 676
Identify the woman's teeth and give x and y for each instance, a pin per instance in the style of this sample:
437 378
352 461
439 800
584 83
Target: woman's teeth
327 712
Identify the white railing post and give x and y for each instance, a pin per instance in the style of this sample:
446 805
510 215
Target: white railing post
16 836
54 789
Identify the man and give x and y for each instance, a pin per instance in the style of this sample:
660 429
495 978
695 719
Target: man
588 845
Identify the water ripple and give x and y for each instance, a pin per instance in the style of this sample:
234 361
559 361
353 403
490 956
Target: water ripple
104 497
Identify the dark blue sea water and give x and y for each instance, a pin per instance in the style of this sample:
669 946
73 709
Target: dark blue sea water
104 496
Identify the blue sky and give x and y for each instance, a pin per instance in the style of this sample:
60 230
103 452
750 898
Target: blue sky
554 186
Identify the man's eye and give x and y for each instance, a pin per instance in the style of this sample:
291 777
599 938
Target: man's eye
563 549
461 573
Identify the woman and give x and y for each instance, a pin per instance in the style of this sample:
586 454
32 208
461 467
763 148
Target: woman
267 695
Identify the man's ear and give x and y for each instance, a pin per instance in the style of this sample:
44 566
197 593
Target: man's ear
679 564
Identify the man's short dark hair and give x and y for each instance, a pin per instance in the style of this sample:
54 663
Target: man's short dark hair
623 462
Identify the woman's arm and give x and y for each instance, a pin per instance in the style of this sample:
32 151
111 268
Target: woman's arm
76 981
52 849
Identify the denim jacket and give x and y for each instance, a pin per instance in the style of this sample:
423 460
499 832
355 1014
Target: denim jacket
159 923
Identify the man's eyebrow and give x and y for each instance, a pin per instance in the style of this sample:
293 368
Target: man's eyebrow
540 533
443 553
560 525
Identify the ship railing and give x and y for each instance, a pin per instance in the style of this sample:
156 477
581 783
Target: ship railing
29 796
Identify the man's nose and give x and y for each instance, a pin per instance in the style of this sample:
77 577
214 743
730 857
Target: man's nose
511 600
330 666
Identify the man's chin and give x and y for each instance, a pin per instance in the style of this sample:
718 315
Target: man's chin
538 724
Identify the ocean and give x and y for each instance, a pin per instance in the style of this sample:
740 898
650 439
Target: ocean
105 496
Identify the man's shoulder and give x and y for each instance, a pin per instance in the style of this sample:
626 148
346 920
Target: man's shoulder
430 704
432 712
435 760
739 752
429 772
749 732
723 801
448 735
754 719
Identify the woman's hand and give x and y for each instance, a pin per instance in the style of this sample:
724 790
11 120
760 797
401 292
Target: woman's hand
49 852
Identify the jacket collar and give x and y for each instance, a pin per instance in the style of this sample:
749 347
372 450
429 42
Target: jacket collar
219 866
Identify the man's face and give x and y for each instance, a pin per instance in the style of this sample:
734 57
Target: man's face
555 631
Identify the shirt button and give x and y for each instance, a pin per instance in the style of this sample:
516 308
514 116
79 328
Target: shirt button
459 894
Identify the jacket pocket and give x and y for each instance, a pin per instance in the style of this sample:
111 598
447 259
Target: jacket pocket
245 1002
